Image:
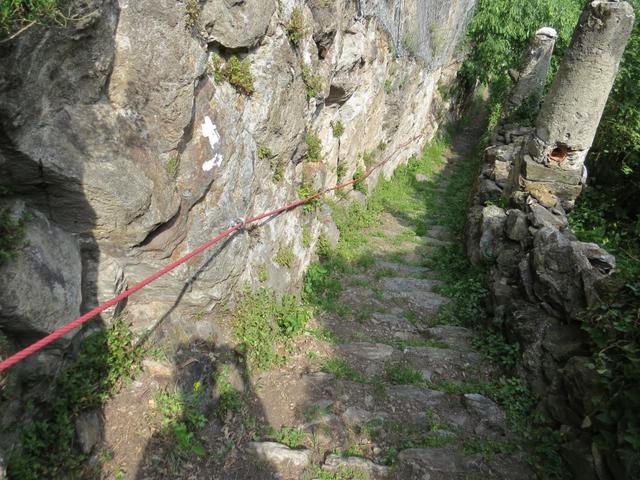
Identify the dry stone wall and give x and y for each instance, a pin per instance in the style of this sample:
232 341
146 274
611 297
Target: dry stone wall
126 152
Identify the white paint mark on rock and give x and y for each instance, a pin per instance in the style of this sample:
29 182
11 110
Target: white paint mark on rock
210 131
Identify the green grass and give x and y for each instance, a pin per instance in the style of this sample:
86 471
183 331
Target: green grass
360 184
263 324
15 14
182 417
342 473
341 369
48 447
289 436
285 257
229 399
402 374
264 152
324 334
315 412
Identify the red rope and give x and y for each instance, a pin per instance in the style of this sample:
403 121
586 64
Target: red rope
40 344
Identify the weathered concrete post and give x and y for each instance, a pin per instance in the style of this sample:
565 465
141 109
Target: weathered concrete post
552 164
535 67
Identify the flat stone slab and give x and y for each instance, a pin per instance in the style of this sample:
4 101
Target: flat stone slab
438 460
334 462
401 268
491 416
392 322
451 335
359 416
403 284
425 397
368 351
445 357
280 455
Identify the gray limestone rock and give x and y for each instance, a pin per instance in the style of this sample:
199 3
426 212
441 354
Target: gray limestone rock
492 227
516 226
490 414
42 283
566 272
89 430
237 24
540 217
280 455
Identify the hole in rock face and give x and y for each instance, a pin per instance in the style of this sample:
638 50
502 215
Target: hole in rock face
559 154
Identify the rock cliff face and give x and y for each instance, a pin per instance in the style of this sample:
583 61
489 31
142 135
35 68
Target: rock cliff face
129 142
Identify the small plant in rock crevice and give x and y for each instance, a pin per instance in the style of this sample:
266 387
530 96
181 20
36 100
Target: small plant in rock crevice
314 147
192 11
296 27
312 81
337 128
263 152
172 166
235 71
285 257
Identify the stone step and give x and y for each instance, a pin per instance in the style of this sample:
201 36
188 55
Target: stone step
399 326
408 284
367 351
423 303
443 363
400 268
373 471
458 338
439 463
284 458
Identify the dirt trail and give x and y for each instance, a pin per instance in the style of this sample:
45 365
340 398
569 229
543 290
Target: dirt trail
376 389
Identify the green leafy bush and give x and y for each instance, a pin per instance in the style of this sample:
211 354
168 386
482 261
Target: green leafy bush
47 442
263 323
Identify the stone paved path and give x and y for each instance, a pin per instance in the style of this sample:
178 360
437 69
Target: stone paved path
376 389
394 408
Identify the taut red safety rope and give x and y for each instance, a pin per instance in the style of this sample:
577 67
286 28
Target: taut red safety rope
52 337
